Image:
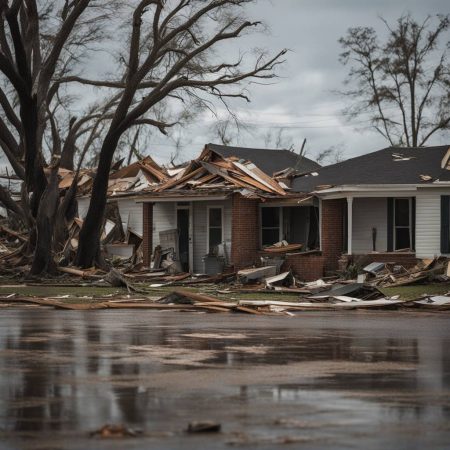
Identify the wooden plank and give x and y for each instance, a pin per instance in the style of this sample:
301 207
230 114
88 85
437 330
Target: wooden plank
260 177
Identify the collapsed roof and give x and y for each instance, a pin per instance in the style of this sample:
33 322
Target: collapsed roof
392 165
143 175
211 171
268 160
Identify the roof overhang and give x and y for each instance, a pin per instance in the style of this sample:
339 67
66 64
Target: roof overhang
376 190
181 198
386 190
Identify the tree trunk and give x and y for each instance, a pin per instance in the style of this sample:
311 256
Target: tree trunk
88 253
45 220
63 215
68 153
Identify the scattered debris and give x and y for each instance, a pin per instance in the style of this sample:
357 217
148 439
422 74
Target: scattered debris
283 247
115 431
257 273
204 427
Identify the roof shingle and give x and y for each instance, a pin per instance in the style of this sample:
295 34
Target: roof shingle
380 167
268 160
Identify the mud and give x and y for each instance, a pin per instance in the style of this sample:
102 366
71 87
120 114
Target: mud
334 380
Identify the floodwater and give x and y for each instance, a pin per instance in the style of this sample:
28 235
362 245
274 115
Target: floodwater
334 380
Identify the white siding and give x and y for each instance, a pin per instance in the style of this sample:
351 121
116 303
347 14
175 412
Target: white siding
200 232
164 218
83 205
428 221
369 213
131 215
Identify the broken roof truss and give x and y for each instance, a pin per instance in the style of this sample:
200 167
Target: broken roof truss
212 171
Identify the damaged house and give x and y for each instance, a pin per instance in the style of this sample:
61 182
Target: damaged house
125 187
392 205
227 206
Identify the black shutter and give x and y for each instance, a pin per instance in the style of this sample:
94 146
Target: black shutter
413 224
445 224
390 224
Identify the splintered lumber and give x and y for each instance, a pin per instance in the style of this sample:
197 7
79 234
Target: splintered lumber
248 310
256 273
78 272
201 298
13 233
283 248
116 279
55 303
258 175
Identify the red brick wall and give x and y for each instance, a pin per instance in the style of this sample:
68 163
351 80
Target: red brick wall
307 266
244 231
332 232
147 232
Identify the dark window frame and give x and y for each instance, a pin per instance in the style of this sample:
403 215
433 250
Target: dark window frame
210 248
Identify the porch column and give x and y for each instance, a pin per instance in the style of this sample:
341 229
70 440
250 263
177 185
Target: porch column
349 225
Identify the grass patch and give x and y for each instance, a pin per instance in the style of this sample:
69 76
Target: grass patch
52 291
415 291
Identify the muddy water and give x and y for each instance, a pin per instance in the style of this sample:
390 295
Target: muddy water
335 380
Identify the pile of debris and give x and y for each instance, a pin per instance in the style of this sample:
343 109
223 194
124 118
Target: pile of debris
392 275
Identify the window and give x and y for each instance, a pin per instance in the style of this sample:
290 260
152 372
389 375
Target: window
402 223
215 229
270 225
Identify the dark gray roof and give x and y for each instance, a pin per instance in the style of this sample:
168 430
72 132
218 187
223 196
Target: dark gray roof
380 168
269 161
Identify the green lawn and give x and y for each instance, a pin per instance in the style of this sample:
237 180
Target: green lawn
416 291
85 291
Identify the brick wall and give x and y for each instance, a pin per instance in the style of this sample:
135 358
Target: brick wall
147 217
332 232
307 266
244 231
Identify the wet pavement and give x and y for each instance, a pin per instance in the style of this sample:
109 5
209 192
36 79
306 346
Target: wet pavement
333 380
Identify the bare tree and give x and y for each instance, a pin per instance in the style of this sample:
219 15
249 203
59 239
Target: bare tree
278 139
404 82
170 54
331 155
38 43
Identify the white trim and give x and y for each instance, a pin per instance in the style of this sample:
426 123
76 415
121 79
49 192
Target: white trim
208 208
184 198
349 225
369 194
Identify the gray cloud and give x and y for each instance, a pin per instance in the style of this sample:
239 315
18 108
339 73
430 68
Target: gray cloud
303 98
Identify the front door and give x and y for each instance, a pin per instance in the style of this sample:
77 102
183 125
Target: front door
183 237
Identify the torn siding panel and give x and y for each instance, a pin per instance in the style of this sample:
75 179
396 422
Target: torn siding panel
164 218
131 215
369 213
83 205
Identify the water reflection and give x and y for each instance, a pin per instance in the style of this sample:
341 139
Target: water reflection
76 371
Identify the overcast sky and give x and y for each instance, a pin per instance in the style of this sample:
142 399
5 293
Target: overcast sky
302 99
